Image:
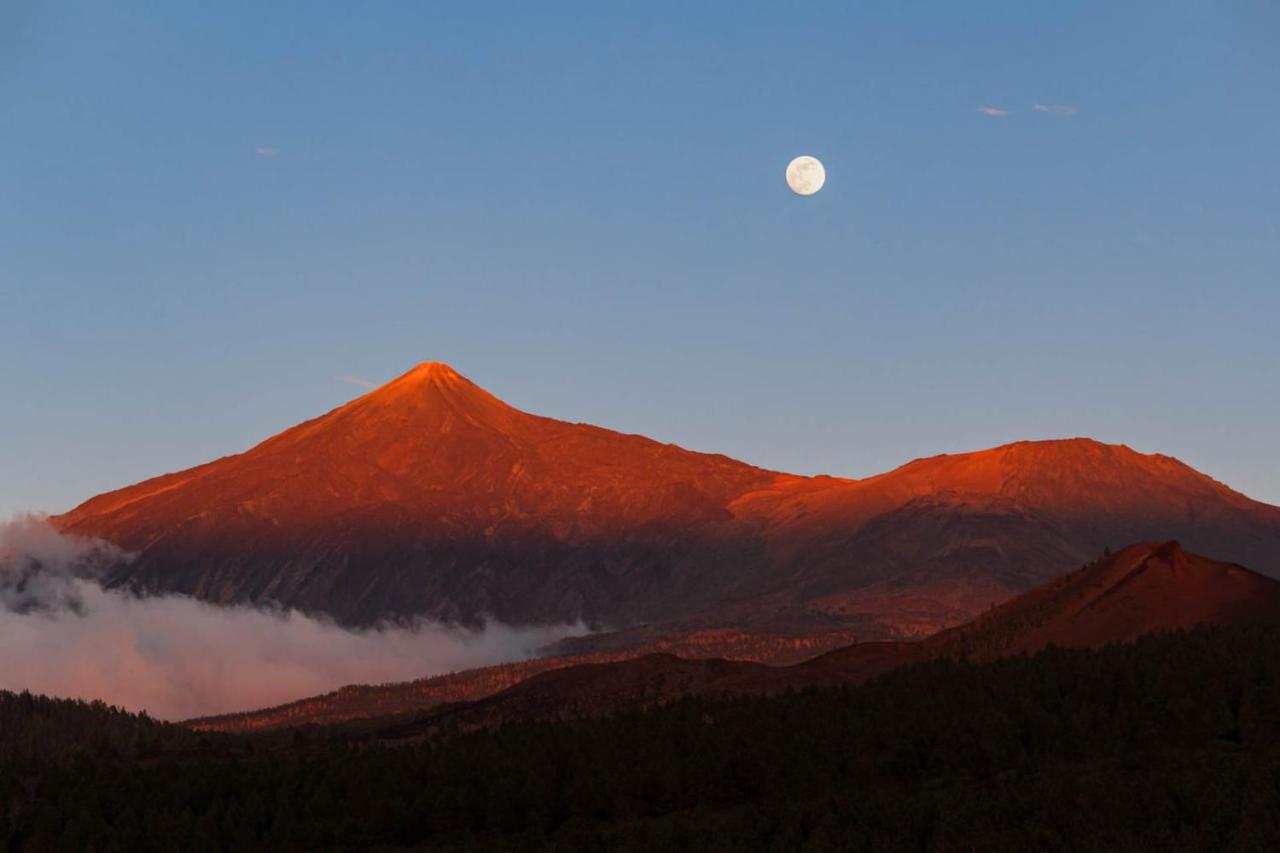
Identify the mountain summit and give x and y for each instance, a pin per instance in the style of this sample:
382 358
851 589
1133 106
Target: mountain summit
434 390
429 496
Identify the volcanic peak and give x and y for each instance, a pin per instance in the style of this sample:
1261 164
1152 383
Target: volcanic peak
432 371
430 495
433 389
425 375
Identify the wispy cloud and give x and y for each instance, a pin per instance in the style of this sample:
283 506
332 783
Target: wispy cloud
994 112
1056 109
357 380
266 151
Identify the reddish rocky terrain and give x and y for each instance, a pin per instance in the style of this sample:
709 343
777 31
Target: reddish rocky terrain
429 497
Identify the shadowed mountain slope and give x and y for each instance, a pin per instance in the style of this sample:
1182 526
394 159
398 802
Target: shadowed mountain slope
1144 589
431 497
375 700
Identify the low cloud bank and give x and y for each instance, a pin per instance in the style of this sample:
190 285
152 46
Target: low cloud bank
40 568
63 634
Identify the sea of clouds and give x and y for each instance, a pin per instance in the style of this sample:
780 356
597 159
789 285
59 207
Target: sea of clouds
63 634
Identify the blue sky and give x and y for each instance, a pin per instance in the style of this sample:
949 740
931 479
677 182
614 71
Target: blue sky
211 211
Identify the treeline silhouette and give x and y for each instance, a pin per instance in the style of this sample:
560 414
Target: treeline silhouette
1170 743
40 731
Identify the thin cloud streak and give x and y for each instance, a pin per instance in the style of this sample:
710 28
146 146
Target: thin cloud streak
266 151
1056 109
994 112
357 380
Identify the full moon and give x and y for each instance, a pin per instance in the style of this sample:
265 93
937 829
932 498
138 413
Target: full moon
805 175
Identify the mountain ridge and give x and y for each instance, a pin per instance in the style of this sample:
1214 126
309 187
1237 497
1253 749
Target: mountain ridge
429 497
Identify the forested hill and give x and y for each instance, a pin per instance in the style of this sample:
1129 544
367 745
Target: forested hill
1171 742
44 730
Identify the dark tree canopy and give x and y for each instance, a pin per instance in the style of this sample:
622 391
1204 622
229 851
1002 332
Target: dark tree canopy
1169 743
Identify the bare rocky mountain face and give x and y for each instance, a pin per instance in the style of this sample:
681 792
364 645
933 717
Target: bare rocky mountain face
429 497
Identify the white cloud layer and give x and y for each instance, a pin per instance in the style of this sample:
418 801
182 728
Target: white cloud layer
62 634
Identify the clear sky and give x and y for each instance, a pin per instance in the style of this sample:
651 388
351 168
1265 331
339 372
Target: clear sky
209 212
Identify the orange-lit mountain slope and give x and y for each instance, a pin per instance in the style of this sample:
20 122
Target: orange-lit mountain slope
429 496
939 539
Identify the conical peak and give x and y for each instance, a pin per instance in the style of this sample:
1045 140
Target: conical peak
433 368
436 370
425 375
434 389
1170 550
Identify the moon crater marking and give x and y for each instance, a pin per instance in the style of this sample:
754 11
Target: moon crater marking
806 175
